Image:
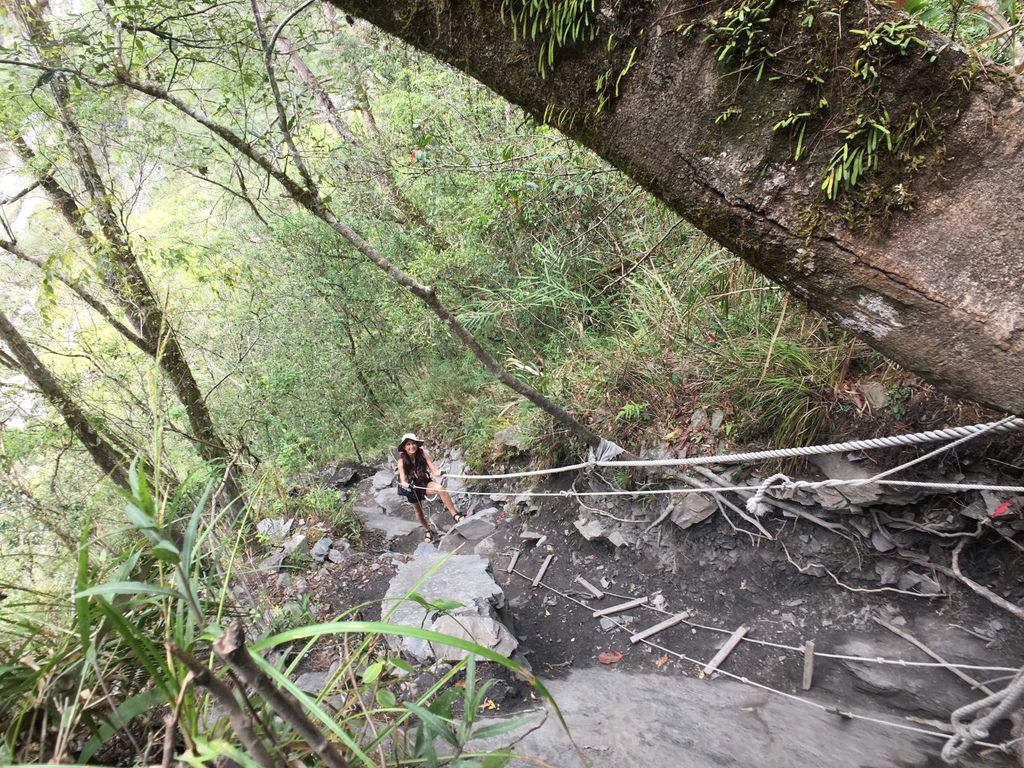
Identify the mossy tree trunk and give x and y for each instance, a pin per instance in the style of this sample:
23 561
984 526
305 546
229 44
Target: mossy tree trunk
921 257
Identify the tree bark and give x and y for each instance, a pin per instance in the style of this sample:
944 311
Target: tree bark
923 261
109 459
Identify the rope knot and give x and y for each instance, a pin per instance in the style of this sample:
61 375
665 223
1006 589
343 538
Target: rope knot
755 504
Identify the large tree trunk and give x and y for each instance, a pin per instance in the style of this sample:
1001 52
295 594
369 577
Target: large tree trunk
922 258
108 458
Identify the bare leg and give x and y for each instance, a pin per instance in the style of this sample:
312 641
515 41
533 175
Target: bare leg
445 497
418 509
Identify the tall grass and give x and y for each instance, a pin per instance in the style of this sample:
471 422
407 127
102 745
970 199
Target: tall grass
133 661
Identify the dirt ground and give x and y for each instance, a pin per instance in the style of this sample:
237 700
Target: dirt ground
724 580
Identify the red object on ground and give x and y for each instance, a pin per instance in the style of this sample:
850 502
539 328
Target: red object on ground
1001 509
609 657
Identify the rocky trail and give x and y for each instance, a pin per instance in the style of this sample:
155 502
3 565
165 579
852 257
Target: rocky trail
860 573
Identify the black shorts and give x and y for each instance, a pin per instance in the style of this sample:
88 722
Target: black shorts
414 492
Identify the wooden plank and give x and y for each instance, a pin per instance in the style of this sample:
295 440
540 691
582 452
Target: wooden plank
725 650
597 593
513 561
620 607
543 568
669 622
808 665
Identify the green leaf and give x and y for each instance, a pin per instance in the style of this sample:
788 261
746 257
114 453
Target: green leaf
435 724
373 671
497 729
496 760
166 552
386 698
128 588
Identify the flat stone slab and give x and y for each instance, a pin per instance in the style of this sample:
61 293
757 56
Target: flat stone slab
392 527
680 722
461 578
470 530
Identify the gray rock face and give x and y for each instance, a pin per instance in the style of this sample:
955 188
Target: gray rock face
336 555
391 526
390 502
383 479
462 578
320 550
693 508
687 723
470 530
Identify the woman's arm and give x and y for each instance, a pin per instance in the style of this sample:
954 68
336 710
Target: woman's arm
401 473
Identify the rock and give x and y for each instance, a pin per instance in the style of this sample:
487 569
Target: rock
424 548
836 466
531 537
336 555
340 476
512 437
300 585
392 527
607 624
692 509
717 419
924 584
881 542
284 580
272 562
486 548
875 394
463 579
389 501
383 479
596 528
320 550
469 530
274 529
699 419
312 682
888 571
298 541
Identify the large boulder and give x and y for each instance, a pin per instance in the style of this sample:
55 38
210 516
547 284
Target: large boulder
463 579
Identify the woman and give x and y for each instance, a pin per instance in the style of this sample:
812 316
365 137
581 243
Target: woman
415 483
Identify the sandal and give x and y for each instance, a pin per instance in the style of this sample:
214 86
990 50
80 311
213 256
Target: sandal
458 517
428 537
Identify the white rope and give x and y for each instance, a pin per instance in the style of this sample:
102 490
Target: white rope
1003 704
1009 424
840 656
779 486
831 710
